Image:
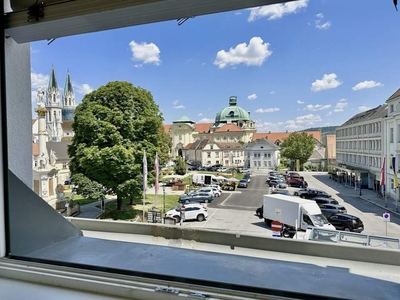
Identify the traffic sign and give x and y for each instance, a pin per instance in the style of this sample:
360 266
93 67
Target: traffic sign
386 217
276 227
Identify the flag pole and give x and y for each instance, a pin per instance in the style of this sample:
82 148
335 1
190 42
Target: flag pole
144 183
156 169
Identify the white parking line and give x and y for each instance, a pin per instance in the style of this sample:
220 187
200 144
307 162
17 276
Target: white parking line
209 217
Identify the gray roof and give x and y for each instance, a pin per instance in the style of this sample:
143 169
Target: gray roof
394 95
376 113
60 148
263 141
199 144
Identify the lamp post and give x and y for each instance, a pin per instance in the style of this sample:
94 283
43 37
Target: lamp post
163 188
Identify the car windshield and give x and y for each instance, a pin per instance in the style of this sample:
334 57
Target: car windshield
319 220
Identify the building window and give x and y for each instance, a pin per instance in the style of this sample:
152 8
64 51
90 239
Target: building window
208 154
391 135
211 147
65 165
180 137
391 108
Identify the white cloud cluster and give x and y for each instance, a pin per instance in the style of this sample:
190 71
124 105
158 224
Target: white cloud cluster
300 102
340 105
317 107
252 97
38 80
253 54
319 24
368 84
276 11
176 106
268 126
82 89
267 110
302 121
328 81
145 53
206 120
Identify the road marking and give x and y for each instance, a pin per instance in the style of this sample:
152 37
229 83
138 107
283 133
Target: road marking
209 217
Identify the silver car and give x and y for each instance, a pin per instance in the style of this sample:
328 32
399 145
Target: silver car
331 209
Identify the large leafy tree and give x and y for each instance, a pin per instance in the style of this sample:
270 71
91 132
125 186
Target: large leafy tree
114 125
298 145
180 166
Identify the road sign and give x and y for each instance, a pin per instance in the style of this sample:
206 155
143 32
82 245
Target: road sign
386 217
276 227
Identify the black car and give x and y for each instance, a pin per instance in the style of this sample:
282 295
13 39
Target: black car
346 222
312 193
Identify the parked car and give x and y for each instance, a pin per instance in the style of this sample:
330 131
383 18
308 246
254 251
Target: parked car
312 193
331 209
244 170
216 186
346 222
324 200
192 211
299 191
247 176
277 183
243 183
212 191
296 183
282 192
196 197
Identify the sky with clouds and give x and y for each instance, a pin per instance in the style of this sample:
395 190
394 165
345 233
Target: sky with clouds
301 64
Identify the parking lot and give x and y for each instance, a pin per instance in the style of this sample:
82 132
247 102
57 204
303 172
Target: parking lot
235 210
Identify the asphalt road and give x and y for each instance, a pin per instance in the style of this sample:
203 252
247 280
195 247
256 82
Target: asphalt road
236 210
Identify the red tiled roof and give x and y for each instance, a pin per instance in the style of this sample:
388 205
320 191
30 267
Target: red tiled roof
187 147
167 127
274 136
229 127
203 127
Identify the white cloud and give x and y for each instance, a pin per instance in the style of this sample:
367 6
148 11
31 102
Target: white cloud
252 97
268 126
82 89
340 105
38 80
363 108
206 120
253 54
145 53
267 110
329 113
317 107
276 11
300 102
200 114
368 84
238 13
176 106
328 81
319 24
302 121
272 92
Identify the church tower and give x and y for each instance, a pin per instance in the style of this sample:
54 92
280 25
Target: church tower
54 109
68 101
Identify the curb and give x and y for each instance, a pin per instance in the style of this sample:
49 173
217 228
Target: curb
381 206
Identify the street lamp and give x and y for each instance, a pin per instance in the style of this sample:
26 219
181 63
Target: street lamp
163 188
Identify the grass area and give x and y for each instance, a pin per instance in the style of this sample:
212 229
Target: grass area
135 212
80 199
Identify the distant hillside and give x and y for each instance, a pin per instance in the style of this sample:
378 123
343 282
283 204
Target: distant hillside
324 130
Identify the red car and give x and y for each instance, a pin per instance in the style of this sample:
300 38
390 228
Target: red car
293 182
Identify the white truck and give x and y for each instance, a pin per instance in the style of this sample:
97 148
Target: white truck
200 179
294 213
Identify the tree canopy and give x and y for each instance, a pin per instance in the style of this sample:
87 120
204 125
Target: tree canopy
298 145
114 125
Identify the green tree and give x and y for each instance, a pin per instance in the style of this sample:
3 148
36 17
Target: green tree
298 146
113 127
180 166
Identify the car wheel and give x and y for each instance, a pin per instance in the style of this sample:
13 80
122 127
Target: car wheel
200 218
347 229
302 196
296 194
206 201
177 219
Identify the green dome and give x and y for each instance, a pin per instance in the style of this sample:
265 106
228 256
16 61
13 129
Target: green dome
232 113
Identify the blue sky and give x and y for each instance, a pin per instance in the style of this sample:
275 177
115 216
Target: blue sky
292 66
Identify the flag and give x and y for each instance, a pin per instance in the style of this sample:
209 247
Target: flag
393 164
156 167
383 171
144 171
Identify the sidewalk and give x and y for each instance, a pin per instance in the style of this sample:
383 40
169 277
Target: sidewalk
367 195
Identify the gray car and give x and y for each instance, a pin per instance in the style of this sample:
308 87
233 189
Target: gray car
331 209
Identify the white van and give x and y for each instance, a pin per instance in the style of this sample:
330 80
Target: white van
200 179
